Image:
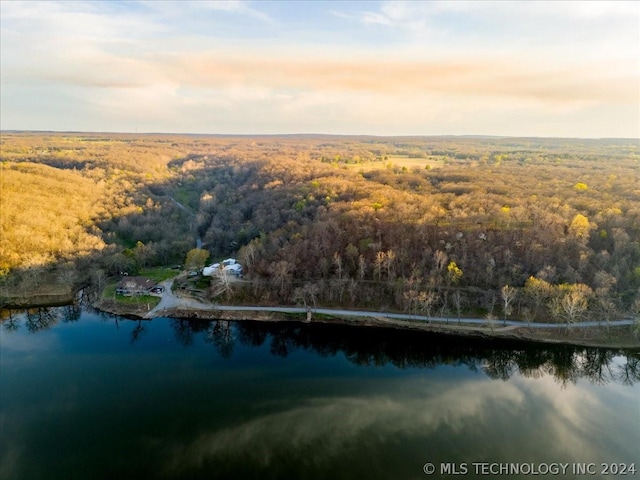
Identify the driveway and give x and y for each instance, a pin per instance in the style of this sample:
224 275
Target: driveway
170 300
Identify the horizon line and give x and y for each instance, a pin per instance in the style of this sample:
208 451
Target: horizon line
308 134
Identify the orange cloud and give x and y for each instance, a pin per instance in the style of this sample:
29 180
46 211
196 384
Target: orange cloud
500 80
465 77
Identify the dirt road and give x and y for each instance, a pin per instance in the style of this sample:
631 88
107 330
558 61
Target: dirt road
171 301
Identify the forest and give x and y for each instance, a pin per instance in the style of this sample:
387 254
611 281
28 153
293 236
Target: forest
531 228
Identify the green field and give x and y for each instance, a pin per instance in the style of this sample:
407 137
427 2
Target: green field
158 274
399 162
109 293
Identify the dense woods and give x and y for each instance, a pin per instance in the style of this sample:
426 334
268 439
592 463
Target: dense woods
538 229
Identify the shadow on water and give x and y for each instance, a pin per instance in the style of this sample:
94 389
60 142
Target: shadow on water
498 359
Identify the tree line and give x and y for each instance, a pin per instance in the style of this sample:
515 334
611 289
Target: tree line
498 360
539 229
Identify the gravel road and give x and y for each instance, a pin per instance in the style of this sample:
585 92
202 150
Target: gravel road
171 301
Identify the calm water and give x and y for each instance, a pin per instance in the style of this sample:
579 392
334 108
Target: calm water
90 396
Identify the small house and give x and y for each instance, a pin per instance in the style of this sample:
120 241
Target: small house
135 286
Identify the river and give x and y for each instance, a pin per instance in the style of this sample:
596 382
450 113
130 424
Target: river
93 396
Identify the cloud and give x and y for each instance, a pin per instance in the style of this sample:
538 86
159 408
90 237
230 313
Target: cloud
513 15
496 78
90 48
565 31
482 77
475 413
187 9
17 347
169 59
376 18
236 6
337 424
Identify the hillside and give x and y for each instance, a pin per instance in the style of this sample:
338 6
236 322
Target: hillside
532 228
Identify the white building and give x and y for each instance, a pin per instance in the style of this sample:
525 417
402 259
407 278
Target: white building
230 266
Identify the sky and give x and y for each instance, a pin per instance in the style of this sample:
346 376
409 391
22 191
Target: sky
545 69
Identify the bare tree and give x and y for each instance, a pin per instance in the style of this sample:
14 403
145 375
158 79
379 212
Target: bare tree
67 275
281 271
605 306
508 296
337 261
352 288
457 302
426 300
221 284
380 256
307 295
410 300
528 315
389 264
362 267
537 293
248 254
440 259
574 304
98 278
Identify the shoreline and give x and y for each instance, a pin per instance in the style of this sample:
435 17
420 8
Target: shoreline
617 337
38 301
598 336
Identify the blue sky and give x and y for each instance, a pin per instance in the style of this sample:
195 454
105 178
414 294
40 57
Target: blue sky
383 68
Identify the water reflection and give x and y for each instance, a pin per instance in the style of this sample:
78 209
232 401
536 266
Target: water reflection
218 399
499 360
138 331
450 421
220 334
42 318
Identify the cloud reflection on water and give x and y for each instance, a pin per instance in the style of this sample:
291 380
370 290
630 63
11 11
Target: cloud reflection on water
331 400
477 416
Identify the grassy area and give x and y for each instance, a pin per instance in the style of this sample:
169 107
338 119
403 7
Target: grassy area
411 162
109 293
158 274
399 161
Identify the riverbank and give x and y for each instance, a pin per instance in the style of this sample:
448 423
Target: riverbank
614 336
619 334
45 299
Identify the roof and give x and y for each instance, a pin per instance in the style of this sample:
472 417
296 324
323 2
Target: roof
139 283
209 271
